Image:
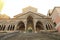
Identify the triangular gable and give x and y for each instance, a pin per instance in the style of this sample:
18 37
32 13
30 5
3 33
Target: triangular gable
41 15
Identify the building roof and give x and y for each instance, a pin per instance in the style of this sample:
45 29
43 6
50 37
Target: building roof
4 16
39 14
57 9
25 11
32 10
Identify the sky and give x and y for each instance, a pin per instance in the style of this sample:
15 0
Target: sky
14 7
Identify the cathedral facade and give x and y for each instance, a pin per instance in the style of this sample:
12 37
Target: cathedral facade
27 21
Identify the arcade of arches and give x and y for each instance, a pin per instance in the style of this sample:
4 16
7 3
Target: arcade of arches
29 21
30 25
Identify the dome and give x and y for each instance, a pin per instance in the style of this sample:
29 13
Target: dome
29 8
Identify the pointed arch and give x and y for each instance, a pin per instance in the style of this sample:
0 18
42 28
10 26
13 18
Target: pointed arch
11 27
39 26
21 26
29 18
54 24
49 26
2 27
30 25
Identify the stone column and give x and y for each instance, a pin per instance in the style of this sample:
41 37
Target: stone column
15 27
6 28
44 26
35 27
25 26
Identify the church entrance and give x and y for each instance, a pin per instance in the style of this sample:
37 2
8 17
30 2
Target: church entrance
30 25
21 26
39 26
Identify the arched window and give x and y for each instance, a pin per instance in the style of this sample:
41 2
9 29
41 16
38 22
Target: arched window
50 27
2 27
54 24
47 27
11 27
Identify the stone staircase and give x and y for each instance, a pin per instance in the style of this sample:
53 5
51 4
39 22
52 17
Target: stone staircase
31 36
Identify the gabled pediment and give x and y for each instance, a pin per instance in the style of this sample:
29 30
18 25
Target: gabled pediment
37 15
30 11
